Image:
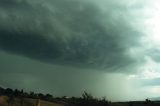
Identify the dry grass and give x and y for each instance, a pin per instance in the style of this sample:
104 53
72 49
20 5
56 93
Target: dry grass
4 101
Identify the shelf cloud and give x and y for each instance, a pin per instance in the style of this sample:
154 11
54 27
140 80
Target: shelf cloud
83 34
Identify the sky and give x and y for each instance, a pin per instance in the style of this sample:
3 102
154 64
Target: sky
109 48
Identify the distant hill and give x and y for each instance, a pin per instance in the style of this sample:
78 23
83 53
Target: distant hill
155 99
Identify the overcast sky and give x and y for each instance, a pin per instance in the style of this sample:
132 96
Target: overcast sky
108 48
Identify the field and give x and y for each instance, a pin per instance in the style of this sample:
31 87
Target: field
4 101
136 103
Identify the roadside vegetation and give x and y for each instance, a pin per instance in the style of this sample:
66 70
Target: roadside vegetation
85 100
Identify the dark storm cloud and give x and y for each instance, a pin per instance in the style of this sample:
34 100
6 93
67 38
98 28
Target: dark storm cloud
67 32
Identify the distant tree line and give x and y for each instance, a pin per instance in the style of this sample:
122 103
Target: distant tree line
20 93
86 99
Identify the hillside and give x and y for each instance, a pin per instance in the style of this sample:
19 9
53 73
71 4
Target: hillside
9 97
6 101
